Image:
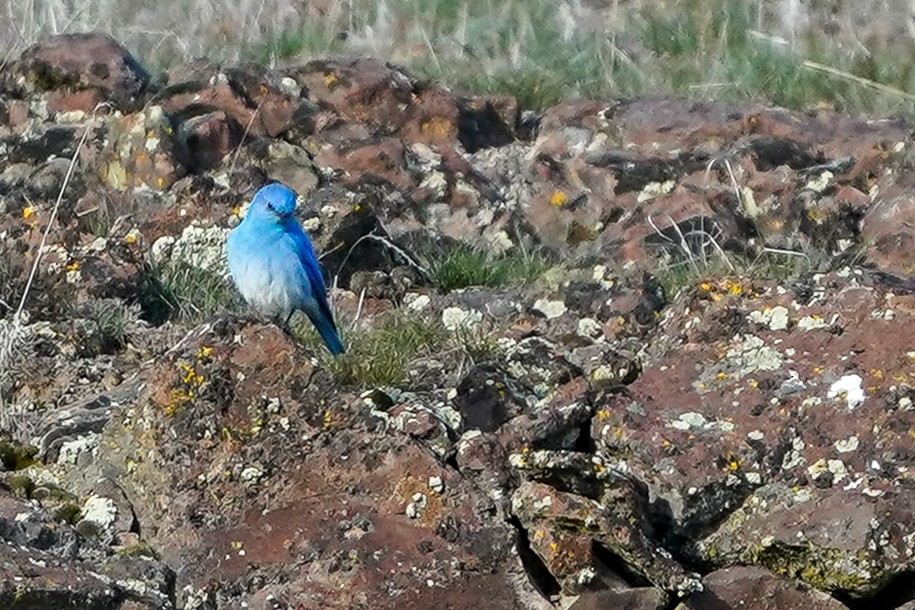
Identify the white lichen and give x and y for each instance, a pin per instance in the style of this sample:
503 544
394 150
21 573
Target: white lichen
776 318
454 318
550 309
99 510
849 389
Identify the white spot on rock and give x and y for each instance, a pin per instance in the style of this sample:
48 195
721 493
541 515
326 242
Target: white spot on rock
775 318
100 510
70 450
655 189
436 484
454 318
820 183
848 388
416 302
543 503
847 445
808 323
550 309
251 474
415 507
589 327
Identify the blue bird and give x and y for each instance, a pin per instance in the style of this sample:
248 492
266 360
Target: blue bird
274 266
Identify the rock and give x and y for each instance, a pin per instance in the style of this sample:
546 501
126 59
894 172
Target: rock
361 90
860 559
563 528
482 458
624 598
540 364
383 158
429 513
760 423
143 151
247 95
754 588
77 71
488 397
281 161
43 563
554 422
208 139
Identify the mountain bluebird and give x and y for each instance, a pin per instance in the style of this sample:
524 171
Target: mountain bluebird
274 266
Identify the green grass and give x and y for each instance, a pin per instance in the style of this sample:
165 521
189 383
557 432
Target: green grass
537 50
377 355
380 353
181 292
768 266
464 266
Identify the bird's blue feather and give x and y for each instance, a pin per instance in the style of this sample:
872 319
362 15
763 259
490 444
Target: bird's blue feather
274 265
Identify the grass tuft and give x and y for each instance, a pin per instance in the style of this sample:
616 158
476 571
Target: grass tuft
379 355
777 266
178 291
465 266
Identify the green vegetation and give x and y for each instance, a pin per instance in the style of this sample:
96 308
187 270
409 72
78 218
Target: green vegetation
16 456
179 291
774 266
109 320
380 354
852 56
464 266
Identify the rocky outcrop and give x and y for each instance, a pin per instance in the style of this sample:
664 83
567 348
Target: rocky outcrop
644 353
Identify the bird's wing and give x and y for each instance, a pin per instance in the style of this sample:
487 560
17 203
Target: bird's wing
313 272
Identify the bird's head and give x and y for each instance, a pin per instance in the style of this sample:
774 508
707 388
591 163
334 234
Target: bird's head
275 200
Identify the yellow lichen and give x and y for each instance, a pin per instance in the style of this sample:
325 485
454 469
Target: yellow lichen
438 127
558 199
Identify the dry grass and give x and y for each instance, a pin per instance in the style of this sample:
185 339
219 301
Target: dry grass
12 330
853 56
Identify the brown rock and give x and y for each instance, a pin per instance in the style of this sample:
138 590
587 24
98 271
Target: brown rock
81 70
354 509
759 391
563 527
208 138
143 151
360 90
280 161
626 598
383 158
45 564
749 588
246 94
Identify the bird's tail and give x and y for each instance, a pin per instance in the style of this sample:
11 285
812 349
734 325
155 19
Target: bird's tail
328 332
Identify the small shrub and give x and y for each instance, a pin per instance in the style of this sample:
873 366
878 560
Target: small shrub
100 326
